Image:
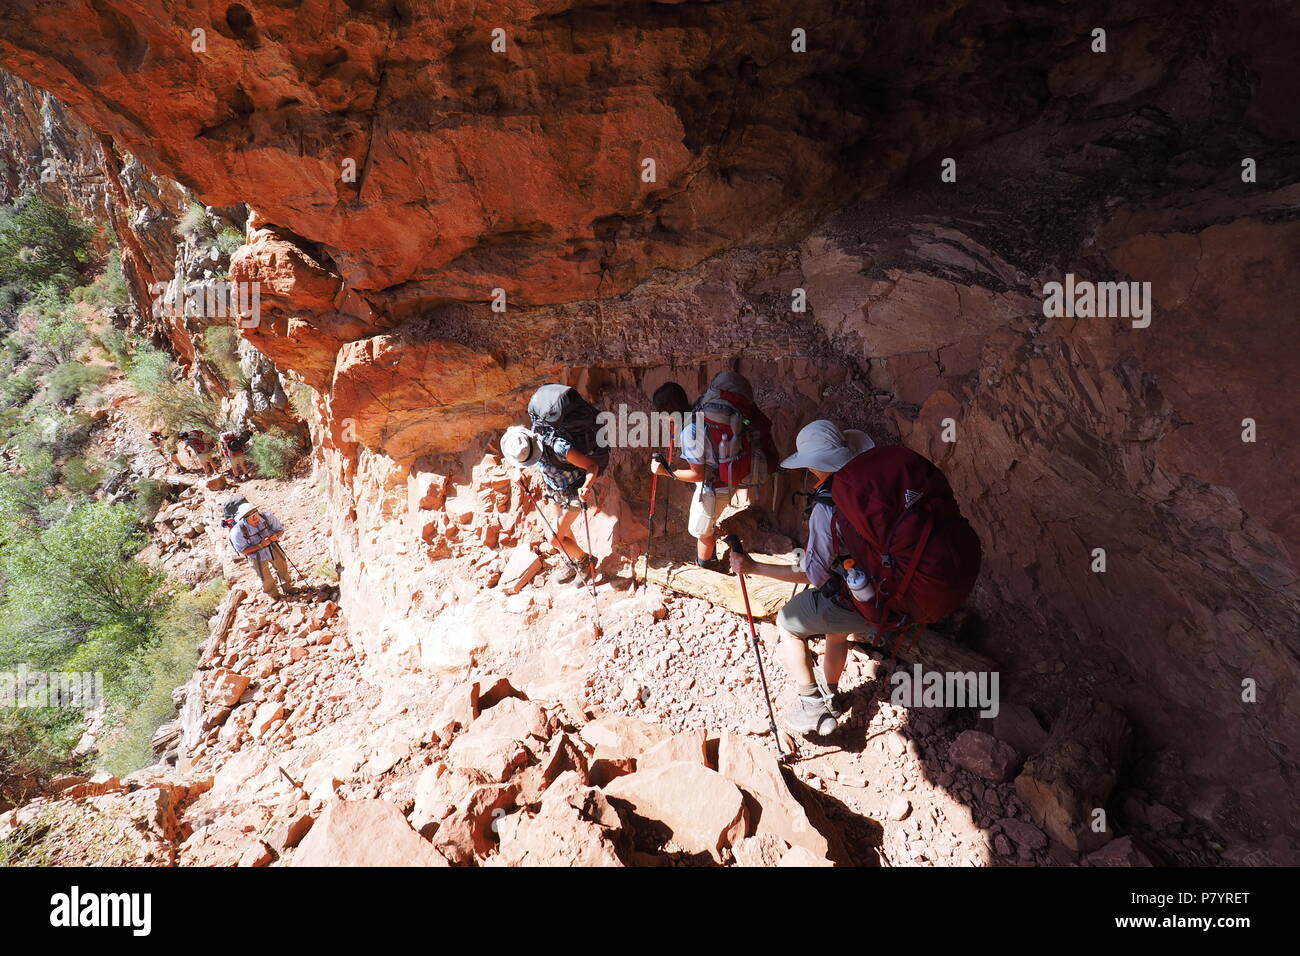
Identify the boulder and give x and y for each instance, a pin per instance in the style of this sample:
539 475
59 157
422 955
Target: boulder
984 755
228 688
364 833
501 740
521 567
574 826
773 808
1119 852
702 810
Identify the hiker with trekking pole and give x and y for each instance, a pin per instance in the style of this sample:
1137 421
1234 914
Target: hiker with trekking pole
561 444
256 535
726 445
888 551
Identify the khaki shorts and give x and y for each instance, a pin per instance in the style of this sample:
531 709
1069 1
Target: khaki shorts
706 507
811 613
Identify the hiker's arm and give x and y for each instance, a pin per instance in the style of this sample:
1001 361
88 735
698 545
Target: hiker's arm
587 464
744 564
692 472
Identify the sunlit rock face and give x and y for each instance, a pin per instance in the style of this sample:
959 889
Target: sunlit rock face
521 176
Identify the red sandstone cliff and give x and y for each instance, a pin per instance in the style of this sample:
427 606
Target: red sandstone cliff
776 171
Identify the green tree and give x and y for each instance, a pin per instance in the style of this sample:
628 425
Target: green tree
76 578
42 242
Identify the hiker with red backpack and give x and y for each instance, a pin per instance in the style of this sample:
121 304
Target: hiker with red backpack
561 443
202 448
235 449
726 445
888 550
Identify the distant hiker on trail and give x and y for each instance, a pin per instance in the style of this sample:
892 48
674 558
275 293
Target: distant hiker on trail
202 448
888 551
256 534
561 444
235 448
726 445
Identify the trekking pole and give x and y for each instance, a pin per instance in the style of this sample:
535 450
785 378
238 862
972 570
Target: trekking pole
733 542
284 554
649 541
591 559
551 531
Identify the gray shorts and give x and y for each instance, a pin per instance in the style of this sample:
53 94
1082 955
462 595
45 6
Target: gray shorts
811 613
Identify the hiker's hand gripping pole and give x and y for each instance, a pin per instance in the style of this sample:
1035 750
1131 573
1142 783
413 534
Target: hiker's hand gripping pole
733 542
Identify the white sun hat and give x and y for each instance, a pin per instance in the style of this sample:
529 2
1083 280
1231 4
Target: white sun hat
520 446
823 446
244 511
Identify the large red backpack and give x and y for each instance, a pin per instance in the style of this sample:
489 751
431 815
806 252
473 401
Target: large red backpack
896 515
737 431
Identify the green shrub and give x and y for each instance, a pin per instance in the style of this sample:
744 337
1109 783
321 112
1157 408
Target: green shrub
176 405
42 242
221 347
149 495
78 478
145 693
274 452
194 223
67 382
113 342
18 389
76 579
109 288
228 240
60 333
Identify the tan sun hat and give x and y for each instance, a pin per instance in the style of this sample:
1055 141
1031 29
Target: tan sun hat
823 446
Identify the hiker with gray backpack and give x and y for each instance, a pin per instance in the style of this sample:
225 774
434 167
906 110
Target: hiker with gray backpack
561 443
725 445
255 534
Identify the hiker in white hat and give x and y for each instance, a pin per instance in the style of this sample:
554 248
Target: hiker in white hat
257 534
823 449
567 474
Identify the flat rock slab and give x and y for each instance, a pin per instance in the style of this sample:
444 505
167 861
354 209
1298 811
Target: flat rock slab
681 574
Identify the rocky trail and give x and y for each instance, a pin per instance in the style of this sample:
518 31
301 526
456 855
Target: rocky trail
521 732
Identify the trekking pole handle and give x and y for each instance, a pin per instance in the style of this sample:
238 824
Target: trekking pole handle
733 542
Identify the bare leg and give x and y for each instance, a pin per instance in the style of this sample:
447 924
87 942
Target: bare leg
564 539
704 546
796 658
834 654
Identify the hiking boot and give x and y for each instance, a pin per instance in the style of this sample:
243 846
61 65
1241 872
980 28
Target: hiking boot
565 573
715 564
810 716
829 696
587 576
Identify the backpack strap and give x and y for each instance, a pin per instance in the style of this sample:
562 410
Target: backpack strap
916 559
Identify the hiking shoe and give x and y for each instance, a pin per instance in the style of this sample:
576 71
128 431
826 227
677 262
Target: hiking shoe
810 716
714 563
565 573
587 576
830 697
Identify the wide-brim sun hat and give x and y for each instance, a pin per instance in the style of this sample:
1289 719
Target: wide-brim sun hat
244 511
821 445
520 446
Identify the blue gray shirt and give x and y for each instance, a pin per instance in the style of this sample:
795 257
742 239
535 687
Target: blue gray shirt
243 535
